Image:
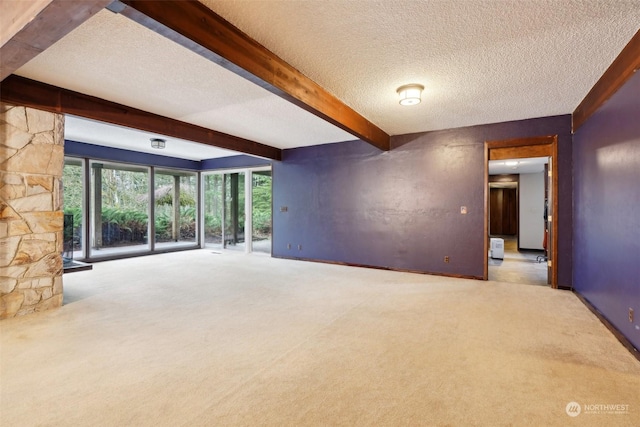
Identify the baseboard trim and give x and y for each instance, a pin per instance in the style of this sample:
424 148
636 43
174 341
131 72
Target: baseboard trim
615 331
376 267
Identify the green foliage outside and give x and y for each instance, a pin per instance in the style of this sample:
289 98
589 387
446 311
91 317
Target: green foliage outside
261 205
125 199
72 181
214 204
164 210
185 199
164 224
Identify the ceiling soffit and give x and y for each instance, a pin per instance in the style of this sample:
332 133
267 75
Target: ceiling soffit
18 90
198 28
146 71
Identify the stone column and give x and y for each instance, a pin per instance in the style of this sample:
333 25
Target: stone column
31 216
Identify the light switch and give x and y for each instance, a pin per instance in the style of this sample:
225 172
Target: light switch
463 210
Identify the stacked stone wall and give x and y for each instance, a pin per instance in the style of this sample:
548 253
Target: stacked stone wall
31 216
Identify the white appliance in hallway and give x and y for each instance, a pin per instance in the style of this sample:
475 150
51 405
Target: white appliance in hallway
497 248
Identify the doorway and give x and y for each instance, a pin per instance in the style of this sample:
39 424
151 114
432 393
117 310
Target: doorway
517 194
237 211
511 150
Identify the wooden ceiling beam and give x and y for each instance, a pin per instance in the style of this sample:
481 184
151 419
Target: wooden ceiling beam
18 90
621 69
30 27
196 27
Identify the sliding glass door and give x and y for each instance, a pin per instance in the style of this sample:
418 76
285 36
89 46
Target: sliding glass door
175 209
117 209
119 196
227 199
234 207
224 206
261 208
213 203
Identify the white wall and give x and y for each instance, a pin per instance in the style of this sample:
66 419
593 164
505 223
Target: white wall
531 210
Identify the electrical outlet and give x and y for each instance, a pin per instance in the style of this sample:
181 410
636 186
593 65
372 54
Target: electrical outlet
446 258
299 247
288 245
630 314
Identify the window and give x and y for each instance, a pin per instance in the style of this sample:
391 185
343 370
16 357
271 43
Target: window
119 209
227 198
261 206
73 202
176 196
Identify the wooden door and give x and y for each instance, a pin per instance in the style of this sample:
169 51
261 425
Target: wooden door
503 212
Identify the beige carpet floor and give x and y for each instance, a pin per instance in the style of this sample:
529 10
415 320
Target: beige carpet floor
203 339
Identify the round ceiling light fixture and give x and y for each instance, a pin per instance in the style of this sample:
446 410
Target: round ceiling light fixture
410 94
158 143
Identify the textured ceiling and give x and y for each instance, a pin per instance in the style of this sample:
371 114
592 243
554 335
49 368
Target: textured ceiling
480 62
113 58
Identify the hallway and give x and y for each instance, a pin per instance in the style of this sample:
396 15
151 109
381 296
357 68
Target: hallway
518 267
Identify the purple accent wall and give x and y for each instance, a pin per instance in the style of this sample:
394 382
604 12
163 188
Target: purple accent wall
349 202
240 161
606 152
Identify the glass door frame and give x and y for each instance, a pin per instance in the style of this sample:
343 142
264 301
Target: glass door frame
248 203
87 212
179 173
93 248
